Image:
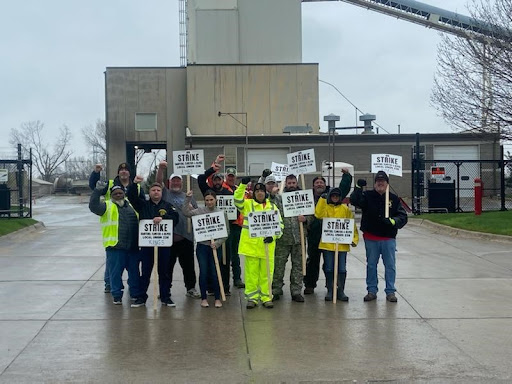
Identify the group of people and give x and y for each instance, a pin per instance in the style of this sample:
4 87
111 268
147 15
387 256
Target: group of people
265 257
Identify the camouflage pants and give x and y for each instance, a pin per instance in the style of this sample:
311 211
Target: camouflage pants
280 259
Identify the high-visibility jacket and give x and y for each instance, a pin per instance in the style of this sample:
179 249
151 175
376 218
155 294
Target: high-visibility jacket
324 210
255 246
110 224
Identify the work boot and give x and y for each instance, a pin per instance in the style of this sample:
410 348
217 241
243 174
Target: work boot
329 277
370 297
298 298
309 290
342 277
391 298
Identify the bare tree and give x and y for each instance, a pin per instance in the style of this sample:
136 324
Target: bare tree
473 82
46 158
96 138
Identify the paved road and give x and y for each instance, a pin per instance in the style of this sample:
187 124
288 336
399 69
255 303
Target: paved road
452 323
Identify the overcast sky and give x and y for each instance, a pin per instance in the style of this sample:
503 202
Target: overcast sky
54 54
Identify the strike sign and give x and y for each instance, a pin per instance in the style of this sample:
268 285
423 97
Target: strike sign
338 230
298 203
391 164
302 162
155 235
226 203
264 223
280 171
209 226
188 162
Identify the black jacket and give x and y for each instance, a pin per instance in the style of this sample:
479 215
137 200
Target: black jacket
203 185
148 210
373 220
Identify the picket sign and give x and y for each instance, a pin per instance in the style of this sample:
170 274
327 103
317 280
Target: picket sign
208 227
188 162
297 203
302 162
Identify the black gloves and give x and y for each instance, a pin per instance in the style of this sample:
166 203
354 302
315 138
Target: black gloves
361 183
388 222
268 239
246 179
266 172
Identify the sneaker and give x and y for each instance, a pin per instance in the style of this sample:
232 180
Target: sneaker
298 298
168 302
251 304
192 292
107 288
118 300
268 304
140 302
391 298
370 297
309 290
239 284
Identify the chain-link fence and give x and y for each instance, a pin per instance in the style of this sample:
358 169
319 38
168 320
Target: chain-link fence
15 184
449 185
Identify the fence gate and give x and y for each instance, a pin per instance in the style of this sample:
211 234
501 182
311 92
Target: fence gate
16 185
448 185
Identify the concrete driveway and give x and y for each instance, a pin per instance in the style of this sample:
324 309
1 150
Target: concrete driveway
452 322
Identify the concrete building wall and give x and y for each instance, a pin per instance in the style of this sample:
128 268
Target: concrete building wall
129 91
244 31
272 96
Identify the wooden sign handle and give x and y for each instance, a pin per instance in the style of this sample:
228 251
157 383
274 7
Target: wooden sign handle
335 279
219 276
156 285
302 247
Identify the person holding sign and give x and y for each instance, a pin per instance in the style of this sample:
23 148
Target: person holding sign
221 188
182 238
119 228
289 246
315 229
204 250
379 232
258 251
332 206
155 209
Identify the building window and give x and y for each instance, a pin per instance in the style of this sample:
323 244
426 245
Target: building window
145 122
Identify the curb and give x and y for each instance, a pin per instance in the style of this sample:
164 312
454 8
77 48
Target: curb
450 231
31 228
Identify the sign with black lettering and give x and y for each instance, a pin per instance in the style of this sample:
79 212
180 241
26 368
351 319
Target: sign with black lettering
226 203
337 230
391 164
155 235
280 171
188 162
302 162
264 223
209 226
298 203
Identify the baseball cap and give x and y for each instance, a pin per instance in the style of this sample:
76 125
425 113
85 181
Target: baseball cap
175 175
270 179
123 166
381 175
217 175
155 184
231 171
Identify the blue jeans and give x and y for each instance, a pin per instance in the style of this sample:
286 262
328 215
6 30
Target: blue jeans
106 275
207 271
374 249
329 261
117 261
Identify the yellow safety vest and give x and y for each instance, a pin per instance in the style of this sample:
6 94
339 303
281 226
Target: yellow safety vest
110 224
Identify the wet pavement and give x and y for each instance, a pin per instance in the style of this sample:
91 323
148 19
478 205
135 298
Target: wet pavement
452 322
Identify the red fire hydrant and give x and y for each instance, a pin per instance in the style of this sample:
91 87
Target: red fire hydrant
478 196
